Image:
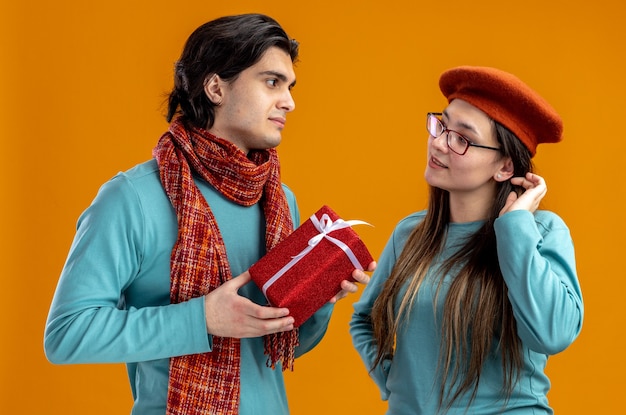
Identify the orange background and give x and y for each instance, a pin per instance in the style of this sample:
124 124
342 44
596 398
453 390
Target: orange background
83 84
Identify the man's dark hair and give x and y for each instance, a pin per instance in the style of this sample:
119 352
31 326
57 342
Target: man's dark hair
225 46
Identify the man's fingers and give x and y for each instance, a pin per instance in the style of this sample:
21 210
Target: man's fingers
240 280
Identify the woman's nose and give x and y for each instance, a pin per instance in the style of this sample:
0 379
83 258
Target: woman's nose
440 142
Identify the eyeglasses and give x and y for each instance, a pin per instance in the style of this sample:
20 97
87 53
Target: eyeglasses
456 142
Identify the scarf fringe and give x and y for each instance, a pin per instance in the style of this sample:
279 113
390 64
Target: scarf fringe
281 348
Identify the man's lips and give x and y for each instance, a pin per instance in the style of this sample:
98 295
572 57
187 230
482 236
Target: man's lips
280 121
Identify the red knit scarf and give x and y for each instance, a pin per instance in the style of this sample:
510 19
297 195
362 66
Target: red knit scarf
208 383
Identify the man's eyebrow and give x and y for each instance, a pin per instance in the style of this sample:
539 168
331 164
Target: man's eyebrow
278 75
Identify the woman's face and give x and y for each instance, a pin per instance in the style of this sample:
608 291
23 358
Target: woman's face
472 173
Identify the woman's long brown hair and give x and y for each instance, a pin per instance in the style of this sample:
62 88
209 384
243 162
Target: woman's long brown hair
477 311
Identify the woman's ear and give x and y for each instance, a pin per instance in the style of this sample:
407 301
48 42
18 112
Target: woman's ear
213 88
506 171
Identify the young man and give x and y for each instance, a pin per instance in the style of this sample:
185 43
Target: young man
149 277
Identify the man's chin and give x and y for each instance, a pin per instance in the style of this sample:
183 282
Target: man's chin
272 142
267 145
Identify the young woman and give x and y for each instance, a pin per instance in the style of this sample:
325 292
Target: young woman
473 294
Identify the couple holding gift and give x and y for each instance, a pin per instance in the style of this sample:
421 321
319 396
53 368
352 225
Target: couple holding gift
468 300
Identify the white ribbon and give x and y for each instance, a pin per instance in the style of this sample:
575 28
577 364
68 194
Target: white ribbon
324 226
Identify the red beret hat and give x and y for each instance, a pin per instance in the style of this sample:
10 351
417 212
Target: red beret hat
507 100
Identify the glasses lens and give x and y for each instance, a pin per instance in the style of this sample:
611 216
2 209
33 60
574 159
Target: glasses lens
457 142
433 125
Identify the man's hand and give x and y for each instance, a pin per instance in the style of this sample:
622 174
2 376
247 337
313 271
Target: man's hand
348 287
229 314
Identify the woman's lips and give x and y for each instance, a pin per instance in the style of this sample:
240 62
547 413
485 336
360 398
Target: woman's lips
436 163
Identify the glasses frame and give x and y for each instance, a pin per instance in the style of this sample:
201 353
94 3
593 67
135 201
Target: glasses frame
447 131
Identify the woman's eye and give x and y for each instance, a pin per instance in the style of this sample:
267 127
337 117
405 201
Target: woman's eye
460 139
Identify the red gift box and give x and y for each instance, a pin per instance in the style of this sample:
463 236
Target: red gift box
304 271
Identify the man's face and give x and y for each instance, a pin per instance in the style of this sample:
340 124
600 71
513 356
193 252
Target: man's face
253 108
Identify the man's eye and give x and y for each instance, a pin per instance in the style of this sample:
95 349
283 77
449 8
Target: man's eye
272 82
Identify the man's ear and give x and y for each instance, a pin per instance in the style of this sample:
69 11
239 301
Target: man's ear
506 170
213 88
